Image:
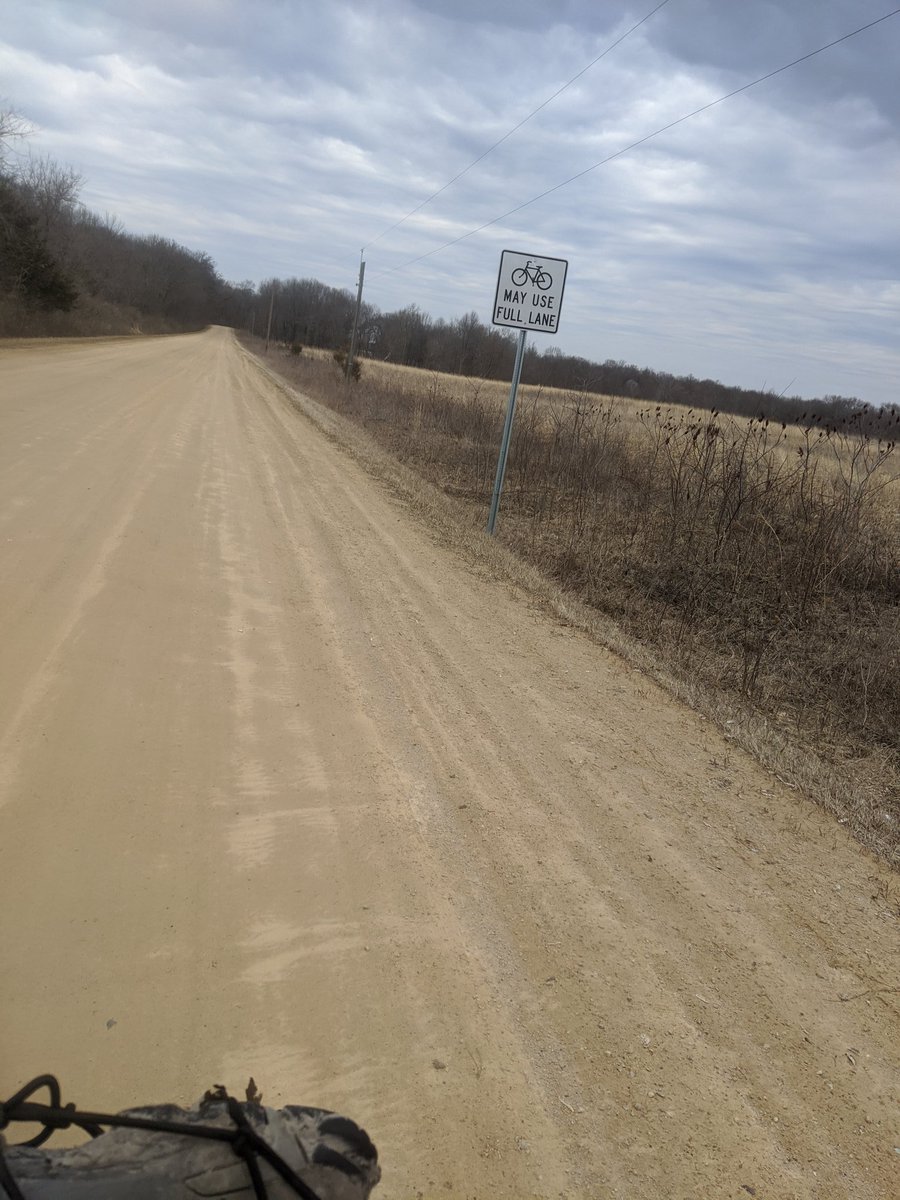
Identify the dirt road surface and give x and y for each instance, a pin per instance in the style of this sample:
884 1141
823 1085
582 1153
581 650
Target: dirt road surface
289 790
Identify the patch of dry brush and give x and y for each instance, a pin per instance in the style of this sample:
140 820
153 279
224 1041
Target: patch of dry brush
760 561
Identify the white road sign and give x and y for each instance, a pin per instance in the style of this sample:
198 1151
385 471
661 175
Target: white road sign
529 291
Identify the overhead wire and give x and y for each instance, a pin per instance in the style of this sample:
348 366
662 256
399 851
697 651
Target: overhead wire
499 142
641 141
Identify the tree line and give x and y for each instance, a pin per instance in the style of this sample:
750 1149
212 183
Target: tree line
66 270
305 312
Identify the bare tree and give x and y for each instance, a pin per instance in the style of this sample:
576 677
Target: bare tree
13 128
50 188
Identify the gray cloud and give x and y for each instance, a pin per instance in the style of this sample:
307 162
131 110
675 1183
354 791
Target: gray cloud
755 242
747 39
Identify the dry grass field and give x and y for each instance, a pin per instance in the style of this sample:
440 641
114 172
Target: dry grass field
493 394
756 565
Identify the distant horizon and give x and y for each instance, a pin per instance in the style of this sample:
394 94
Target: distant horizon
755 244
544 345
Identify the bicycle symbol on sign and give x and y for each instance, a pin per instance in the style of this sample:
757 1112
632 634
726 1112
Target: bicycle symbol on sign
532 273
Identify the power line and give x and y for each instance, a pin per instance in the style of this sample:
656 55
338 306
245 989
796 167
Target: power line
647 137
475 161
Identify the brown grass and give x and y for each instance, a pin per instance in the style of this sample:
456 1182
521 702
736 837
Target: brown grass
753 565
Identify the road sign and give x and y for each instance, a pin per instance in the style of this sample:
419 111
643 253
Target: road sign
529 291
529 296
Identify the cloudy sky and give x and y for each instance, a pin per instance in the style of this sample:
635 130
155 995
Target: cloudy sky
757 243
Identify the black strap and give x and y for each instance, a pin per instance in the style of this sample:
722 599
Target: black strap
243 1139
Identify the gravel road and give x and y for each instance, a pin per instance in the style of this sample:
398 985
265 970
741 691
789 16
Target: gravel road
287 789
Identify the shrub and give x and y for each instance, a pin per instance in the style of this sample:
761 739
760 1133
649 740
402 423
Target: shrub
340 357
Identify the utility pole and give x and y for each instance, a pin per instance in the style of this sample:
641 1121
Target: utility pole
359 291
271 310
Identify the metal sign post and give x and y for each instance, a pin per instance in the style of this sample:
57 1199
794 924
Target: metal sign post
529 296
507 432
